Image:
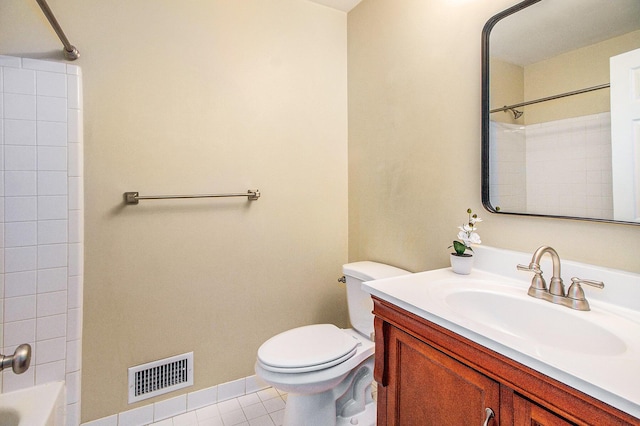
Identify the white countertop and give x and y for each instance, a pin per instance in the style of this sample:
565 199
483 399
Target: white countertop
612 376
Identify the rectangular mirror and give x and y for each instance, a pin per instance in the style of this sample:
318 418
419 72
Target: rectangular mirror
561 110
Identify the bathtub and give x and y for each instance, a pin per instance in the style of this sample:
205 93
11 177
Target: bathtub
42 405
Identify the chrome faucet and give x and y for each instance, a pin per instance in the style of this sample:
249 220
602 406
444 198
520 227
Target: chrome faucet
19 361
574 298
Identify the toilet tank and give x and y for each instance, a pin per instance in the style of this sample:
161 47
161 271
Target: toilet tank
359 301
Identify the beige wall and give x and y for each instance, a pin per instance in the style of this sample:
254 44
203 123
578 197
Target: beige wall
202 97
506 87
581 68
414 142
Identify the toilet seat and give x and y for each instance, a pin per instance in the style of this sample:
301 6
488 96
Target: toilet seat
306 349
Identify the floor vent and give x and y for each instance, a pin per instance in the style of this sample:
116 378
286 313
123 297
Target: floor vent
160 377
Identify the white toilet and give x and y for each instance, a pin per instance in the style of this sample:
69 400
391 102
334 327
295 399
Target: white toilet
328 371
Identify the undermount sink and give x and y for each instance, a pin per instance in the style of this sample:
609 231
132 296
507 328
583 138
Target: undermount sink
528 318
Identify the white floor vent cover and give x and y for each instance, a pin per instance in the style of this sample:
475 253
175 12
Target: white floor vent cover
160 377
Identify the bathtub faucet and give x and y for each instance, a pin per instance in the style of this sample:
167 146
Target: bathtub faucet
19 361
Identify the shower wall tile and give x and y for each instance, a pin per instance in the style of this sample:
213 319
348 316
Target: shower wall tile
20 158
51 327
75 292
76 193
41 220
74 125
52 231
52 256
19 107
11 381
20 208
74 92
10 61
50 372
20 259
74 358
52 183
564 165
76 266
581 160
73 390
76 226
17 80
19 183
52 109
54 303
51 350
16 333
54 207
52 134
74 324
19 132
51 84
18 234
20 284
74 159
52 158
19 308
40 65
54 279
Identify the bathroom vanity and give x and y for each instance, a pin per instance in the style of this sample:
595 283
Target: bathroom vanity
471 350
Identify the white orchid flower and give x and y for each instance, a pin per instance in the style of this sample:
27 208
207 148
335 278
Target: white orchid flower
467 234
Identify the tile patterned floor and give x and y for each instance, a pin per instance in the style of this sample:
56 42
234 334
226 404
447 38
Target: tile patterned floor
263 408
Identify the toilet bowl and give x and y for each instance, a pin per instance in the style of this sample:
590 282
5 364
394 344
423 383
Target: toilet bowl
328 371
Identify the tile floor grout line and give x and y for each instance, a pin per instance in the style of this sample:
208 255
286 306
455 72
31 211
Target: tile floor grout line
261 408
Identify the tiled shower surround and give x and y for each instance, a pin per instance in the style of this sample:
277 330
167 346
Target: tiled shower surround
561 167
41 213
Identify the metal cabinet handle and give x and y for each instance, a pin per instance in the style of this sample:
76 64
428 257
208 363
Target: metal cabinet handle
489 415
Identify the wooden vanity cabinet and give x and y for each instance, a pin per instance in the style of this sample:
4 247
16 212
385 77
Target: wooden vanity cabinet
429 375
431 388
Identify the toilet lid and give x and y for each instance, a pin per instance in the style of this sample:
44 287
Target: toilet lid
307 348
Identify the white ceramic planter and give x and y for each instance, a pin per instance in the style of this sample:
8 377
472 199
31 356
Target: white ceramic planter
461 264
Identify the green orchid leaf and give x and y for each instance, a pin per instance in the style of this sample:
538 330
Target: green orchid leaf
459 247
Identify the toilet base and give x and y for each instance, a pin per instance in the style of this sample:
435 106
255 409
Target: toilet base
349 403
366 418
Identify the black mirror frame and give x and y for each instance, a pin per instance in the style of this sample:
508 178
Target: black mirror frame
486 203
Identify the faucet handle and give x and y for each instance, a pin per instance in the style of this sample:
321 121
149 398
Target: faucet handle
538 284
533 267
575 290
576 293
593 283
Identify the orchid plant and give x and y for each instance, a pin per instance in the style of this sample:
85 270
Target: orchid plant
467 235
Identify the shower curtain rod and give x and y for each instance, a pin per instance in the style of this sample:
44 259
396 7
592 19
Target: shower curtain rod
550 98
70 52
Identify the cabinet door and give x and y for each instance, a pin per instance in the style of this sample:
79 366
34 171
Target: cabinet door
527 413
427 387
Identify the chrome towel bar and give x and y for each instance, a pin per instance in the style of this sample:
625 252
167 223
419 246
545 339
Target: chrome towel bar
134 197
